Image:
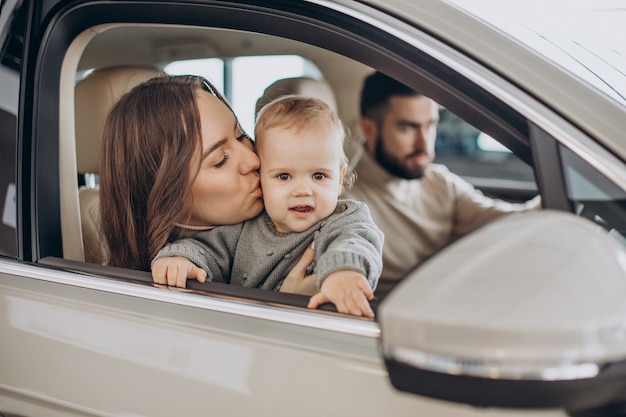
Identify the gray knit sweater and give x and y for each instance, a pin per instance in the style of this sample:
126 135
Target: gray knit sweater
254 254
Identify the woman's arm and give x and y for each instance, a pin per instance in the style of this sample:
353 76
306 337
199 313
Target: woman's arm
297 281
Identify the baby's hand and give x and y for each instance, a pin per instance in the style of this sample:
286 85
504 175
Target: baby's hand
174 271
348 290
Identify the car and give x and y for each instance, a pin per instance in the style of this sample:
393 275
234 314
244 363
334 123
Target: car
522 317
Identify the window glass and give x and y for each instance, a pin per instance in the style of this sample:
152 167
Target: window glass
249 76
482 160
594 196
210 68
11 52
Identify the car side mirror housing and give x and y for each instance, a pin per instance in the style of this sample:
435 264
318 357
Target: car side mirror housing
528 312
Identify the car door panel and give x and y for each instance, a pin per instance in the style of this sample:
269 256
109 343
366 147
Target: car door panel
97 351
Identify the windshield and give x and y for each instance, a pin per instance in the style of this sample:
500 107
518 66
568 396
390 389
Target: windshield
587 37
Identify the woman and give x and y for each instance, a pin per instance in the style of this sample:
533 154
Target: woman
174 162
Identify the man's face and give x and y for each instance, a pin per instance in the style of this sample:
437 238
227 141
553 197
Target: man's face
403 142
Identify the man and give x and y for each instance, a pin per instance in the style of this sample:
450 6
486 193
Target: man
421 207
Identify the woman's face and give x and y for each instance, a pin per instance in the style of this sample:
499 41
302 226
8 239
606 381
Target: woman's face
227 188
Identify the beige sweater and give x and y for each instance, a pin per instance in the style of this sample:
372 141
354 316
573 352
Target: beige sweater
420 217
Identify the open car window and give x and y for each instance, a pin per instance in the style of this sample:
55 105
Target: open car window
482 160
342 57
242 79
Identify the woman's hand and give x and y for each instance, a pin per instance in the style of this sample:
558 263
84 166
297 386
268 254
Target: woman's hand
348 290
297 281
174 271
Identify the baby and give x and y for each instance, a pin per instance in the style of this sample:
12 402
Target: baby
299 141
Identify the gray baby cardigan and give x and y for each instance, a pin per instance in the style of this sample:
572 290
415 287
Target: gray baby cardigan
254 254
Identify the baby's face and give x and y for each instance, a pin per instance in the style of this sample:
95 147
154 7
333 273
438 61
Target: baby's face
301 176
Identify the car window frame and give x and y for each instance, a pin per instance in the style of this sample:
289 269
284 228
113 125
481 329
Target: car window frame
339 39
441 72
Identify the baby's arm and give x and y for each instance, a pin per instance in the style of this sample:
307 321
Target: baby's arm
350 260
174 271
206 256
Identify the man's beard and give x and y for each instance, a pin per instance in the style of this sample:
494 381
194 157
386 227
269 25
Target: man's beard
395 166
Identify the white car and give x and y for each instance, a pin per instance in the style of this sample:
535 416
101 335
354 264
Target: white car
523 317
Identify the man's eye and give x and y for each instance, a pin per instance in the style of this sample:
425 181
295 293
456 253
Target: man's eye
283 177
319 176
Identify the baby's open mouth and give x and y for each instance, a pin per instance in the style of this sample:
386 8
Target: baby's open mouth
302 209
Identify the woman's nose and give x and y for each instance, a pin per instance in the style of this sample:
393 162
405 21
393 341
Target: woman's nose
249 160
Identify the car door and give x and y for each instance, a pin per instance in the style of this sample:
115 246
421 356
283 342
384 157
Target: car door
82 339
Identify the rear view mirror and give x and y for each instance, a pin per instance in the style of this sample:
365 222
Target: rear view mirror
529 311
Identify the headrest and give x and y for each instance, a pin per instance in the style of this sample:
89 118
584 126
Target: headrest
94 97
303 86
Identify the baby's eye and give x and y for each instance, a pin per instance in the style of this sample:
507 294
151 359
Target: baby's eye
319 176
283 177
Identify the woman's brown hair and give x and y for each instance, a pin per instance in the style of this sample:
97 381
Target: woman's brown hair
149 141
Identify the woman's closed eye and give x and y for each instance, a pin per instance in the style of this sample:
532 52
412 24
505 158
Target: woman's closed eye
221 163
243 136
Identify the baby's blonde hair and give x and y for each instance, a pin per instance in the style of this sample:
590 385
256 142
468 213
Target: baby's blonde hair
300 112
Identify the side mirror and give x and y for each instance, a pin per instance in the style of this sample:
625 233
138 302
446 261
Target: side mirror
528 312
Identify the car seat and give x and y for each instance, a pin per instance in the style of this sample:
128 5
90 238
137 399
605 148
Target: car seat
94 97
311 87
304 86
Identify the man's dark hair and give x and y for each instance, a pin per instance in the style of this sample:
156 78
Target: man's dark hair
377 89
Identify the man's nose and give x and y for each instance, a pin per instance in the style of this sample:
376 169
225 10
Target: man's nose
421 137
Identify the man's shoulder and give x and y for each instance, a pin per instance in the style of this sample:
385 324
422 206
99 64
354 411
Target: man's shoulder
438 173
437 169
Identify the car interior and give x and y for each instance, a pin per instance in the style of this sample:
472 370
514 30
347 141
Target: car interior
83 74
84 70
101 65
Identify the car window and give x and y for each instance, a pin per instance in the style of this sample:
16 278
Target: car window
482 160
247 77
470 148
593 195
11 51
